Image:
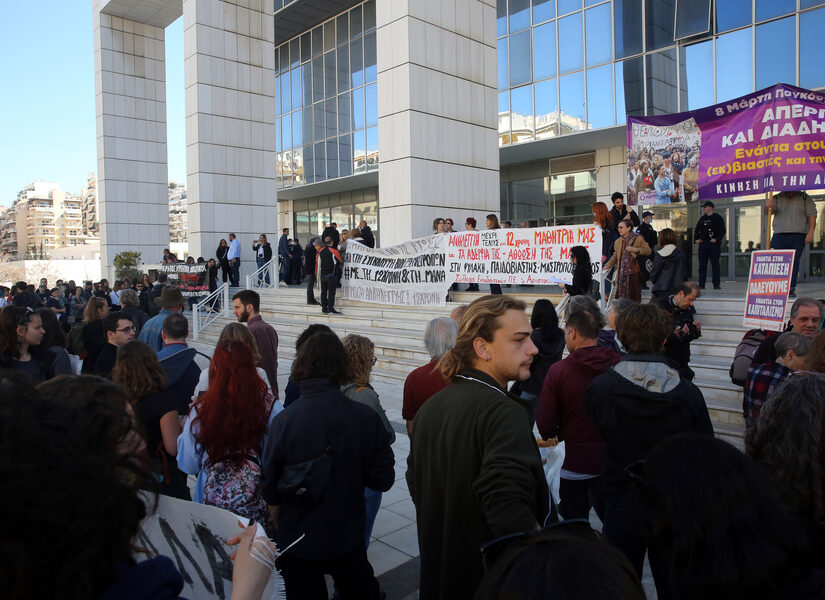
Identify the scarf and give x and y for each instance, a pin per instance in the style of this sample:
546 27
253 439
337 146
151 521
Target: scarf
625 262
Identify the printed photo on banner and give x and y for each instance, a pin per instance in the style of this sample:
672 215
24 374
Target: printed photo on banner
769 283
193 280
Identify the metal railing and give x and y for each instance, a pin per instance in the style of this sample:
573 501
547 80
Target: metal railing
210 309
259 277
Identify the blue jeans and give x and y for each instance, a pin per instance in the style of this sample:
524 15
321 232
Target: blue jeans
235 273
790 241
372 502
283 273
262 276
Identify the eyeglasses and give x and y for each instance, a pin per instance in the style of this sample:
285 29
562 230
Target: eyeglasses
492 550
126 329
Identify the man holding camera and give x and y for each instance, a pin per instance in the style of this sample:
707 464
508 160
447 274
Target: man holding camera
685 328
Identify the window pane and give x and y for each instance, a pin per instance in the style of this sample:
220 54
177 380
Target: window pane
329 36
317 41
317 79
776 62
331 115
520 58
307 122
659 26
544 51
519 14
295 76
370 67
330 75
547 109
734 77
286 132
566 6
692 17
306 47
355 25
284 55
369 15
278 145
332 158
697 74
297 130
811 65
597 34
521 100
359 151
731 14
627 27
278 109
630 93
768 9
309 167
572 115
372 105
286 98
661 83
372 147
295 52
810 3
344 113
345 155
358 108
343 68
319 120
320 161
356 57
501 60
543 10
503 118
501 18
298 166
306 83
600 113
342 28
570 43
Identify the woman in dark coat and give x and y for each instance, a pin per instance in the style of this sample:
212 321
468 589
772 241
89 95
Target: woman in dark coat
582 273
668 271
223 262
94 340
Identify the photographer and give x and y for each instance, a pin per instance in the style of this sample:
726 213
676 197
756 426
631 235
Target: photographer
685 328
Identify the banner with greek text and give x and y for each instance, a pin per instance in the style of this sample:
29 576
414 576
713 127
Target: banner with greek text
193 280
771 140
420 272
769 283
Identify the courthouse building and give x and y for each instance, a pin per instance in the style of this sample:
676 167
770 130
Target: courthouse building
311 111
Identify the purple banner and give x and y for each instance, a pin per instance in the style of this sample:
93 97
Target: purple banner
768 286
771 140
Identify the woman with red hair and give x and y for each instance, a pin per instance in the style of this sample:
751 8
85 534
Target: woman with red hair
603 218
225 434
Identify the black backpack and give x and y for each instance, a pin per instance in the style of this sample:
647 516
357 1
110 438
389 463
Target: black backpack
743 357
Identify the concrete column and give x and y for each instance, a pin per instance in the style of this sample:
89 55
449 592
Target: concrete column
230 124
130 104
437 114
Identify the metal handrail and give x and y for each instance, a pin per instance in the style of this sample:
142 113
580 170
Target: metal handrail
258 276
215 306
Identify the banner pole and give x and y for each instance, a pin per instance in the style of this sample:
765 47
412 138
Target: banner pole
770 219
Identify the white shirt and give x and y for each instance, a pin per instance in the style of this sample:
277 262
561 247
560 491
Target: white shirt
234 249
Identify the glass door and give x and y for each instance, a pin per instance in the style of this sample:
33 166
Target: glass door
748 235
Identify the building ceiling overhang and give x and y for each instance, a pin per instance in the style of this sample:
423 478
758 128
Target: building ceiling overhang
302 15
333 186
159 13
565 145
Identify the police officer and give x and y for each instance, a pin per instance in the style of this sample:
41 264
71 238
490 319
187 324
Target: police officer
708 234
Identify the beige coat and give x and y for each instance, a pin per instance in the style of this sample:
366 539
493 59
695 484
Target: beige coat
618 247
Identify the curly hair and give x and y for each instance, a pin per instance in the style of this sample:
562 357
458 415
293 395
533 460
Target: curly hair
361 354
138 369
235 332
481 319
816 356
75 465
788 440
233 413
321 356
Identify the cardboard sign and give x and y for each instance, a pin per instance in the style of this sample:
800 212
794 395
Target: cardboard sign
769 284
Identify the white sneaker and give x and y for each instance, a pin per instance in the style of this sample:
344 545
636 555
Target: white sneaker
283 284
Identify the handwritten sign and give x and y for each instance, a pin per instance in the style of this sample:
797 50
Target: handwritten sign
193 280
769 283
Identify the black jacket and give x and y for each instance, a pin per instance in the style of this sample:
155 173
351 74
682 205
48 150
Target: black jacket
332 233
369 238
105 363
42 356
267 250
637 404
94 340
677 347
220 256
137 315
310 253
363 458
710 226
329 262
151 306
551 347
582 278
668 270
625 214
648 233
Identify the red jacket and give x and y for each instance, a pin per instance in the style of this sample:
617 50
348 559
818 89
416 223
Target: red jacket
561 409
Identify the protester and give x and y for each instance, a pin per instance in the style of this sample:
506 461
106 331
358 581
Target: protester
247 307
793 226
666 191
151 306
21 334
626 250
561 414
361 354
92 335
806 314
792 351
604 219
138 370
342 246
635 405
263 254
474 470
296 269
564 560
226 432
548 338
233 255
221 255
119 330
645 229
212 273
331 231
788 442
329 264
438 225
608 337
76 306
310 268
25 297
668 270
448 225
54 340
582 273
367 234
620 211
130 307
458 312
470 225
355 235
181 364
170 301
328 511
492 223
816 357
423 382
114 296
684 326
709 232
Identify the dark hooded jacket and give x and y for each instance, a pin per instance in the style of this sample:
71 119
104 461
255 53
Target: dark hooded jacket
561 408
153 579
182 373
550 346
668 270
44 358
637 404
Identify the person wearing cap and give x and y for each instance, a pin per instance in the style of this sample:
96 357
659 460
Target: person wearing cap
170 301
794 222
644 177
710 230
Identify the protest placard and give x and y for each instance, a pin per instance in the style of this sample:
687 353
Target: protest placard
193 280
769 283
194 536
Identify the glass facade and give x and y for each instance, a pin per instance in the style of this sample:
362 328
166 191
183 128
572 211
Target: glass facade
347 209
326 100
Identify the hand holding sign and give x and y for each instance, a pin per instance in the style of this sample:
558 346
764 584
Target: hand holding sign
254 562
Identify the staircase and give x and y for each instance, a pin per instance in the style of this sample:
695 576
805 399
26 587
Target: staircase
397 333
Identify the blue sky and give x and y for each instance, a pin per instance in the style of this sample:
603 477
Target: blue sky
47 103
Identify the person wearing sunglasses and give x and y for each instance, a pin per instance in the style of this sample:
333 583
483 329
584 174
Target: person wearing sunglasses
118 329
474 471
21 331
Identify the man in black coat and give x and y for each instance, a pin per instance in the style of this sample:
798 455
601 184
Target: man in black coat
709 233
310 255
366 233
331 231
684 327
152 308
328 269
620 212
